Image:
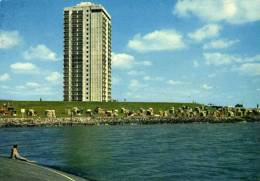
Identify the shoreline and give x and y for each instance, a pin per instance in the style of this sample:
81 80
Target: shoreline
67 121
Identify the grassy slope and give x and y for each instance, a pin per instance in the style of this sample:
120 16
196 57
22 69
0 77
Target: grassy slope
60 107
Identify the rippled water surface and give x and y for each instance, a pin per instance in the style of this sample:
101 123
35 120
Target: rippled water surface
144 152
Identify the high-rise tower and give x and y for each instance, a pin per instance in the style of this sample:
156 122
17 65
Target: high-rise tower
87 53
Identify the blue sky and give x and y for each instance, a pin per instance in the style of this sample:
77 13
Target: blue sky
163 50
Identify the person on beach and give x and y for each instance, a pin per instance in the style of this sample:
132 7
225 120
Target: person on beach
15 154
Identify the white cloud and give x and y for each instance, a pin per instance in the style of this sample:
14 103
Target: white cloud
156 93
195 64
252 59
125 61
212 75
41 52
231 11
4 87
135 72
218 59
134 84
31 88
175 82
146 63
159 40
159 78
220 44
32 84
252 69
4 77
122 61
245 65
206 87
116 80
20 67
9 39
54 77
205 32
147 77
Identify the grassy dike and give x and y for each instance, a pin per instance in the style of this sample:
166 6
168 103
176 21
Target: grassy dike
61 106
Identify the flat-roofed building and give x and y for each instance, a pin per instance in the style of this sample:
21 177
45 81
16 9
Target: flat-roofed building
87 53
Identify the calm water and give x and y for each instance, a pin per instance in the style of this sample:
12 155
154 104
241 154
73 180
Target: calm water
144 152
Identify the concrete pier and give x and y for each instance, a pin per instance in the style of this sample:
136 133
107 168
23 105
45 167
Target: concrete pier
11 170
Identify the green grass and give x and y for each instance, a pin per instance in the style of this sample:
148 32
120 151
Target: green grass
60 106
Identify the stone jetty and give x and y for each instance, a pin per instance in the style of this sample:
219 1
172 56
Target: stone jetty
31 122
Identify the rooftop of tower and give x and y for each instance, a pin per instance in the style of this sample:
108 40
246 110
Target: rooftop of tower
90 5
87 4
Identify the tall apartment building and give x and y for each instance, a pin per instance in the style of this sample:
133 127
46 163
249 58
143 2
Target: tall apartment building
87 53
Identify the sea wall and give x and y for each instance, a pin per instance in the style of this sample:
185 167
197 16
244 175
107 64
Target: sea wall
30 122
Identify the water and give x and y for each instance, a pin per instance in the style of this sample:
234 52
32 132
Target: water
144 152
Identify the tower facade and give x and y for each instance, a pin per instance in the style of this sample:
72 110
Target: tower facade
87 53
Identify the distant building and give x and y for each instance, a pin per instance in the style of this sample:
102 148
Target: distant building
87 53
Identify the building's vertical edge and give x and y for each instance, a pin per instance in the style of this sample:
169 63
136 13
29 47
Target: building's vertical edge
65 89
73 66
103 56
84 52
91 90
109 61
96 58
106 60
67 61
89 54
70 56
81 47
105 41
100 60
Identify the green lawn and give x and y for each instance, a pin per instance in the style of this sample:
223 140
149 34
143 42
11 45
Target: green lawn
60 106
